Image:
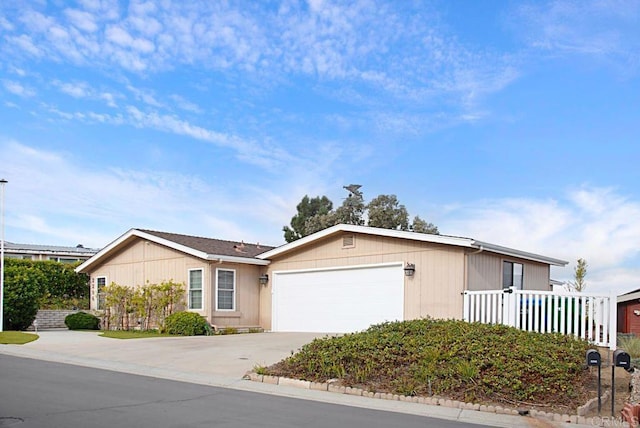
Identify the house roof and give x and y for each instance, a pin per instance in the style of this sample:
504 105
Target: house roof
197 246
79 250
413 236
631 295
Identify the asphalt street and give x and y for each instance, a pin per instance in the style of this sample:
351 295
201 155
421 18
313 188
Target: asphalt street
35 393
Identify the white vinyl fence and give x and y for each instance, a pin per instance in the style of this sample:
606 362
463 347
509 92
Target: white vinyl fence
588 316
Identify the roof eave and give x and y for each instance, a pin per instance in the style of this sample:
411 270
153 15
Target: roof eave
167 243
628 297
235 259
518 254
140 234
424 237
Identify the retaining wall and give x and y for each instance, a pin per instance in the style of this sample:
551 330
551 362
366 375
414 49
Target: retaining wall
48 319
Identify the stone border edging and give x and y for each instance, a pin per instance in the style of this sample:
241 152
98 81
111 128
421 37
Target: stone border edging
433 401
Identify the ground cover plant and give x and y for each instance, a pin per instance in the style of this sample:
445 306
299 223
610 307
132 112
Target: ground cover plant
469 362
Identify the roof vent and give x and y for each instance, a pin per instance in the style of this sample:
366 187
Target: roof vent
240 248
348 241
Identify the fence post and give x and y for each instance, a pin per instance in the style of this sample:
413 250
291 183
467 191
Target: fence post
465 305
613 321
510 300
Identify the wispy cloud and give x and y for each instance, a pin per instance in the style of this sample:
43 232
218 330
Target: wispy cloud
597 224
264 154
107 200
83 90
606 30
76 89
18 88
360 43
145 95
185 104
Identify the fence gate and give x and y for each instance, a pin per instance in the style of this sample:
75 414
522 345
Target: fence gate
588 316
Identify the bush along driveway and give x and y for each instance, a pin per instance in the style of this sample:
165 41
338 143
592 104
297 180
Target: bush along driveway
453 360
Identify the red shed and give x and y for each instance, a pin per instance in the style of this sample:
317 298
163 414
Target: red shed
629 312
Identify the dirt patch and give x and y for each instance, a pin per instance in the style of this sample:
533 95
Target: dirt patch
622 380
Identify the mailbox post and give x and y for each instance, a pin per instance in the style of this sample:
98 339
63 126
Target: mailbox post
594 359
620 359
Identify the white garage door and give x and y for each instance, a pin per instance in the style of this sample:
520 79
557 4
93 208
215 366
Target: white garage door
337 300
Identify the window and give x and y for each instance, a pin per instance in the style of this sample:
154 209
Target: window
226 290
195 289
512 275
101 283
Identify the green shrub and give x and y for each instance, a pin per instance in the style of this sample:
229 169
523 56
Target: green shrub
65 288
60 287
186 324
24 286
464 361
82 321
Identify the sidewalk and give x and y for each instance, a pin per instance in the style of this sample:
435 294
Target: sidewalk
221 361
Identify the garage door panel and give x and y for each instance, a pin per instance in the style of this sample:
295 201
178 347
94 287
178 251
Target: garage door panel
341 300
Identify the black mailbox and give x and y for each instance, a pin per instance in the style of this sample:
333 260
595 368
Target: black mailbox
621 359
593 358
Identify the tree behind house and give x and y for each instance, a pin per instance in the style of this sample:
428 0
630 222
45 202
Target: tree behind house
383 211
579 273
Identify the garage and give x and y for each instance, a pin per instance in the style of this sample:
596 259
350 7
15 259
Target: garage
337 300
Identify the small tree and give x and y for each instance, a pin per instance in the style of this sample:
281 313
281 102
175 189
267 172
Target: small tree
579 273
24 286
147 306
307 208
170 298
352 209
421 226
119 303
385 211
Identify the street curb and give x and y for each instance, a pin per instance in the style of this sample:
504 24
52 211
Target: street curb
331 386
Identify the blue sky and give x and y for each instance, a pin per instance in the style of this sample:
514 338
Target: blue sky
515 123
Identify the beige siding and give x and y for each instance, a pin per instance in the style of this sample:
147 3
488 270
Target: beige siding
537 276
247 296
141 262
484 272
434 291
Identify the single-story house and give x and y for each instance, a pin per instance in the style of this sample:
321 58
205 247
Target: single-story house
340 279
629 312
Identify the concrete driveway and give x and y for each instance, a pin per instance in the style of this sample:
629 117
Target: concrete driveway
222 361
228 356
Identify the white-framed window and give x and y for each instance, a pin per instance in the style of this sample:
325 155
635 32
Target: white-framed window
101 283
225 290
196 278
512 274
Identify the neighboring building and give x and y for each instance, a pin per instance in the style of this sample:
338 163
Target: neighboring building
341 279
629 312
47 252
